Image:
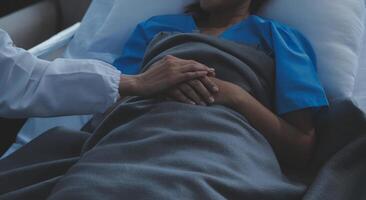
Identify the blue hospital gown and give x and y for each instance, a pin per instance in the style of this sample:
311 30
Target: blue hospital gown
297 84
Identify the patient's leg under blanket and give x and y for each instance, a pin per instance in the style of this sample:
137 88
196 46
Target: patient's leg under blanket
157 150
147 149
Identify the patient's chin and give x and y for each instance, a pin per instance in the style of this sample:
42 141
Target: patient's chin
210 5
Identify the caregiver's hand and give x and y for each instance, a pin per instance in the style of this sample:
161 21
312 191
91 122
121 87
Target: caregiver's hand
163 75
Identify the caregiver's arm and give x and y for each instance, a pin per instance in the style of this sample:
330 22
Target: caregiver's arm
292 137
33 87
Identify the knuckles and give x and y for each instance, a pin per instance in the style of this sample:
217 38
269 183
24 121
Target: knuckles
169 60
195 83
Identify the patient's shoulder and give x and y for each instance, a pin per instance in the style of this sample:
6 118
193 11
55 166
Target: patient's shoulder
279 29
275 25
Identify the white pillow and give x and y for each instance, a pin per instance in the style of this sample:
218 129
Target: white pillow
108 24
335 30
333 27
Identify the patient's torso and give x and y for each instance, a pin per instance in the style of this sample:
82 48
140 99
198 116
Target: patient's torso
242 65
296 82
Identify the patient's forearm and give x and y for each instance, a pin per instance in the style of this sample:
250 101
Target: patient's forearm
292 146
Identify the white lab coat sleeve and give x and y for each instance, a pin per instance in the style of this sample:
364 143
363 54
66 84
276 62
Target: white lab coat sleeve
31 87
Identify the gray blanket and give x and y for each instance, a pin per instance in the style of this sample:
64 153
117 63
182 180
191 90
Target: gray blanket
154 149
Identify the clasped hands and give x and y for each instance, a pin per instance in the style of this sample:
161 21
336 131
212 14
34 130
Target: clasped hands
185 81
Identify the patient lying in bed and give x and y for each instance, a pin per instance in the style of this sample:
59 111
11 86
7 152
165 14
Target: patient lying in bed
296 93
220 134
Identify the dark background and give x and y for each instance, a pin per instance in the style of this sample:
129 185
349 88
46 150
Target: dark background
8 132
9 6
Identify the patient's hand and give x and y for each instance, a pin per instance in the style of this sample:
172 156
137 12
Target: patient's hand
226 93
199 91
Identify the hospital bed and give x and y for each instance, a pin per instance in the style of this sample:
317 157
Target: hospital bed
89 36
58 13
61 45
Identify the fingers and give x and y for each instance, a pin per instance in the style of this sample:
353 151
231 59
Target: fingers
195 92
195 67
177 95
186 65
209 84
202 91
190 76
211 74
191 93
181 71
